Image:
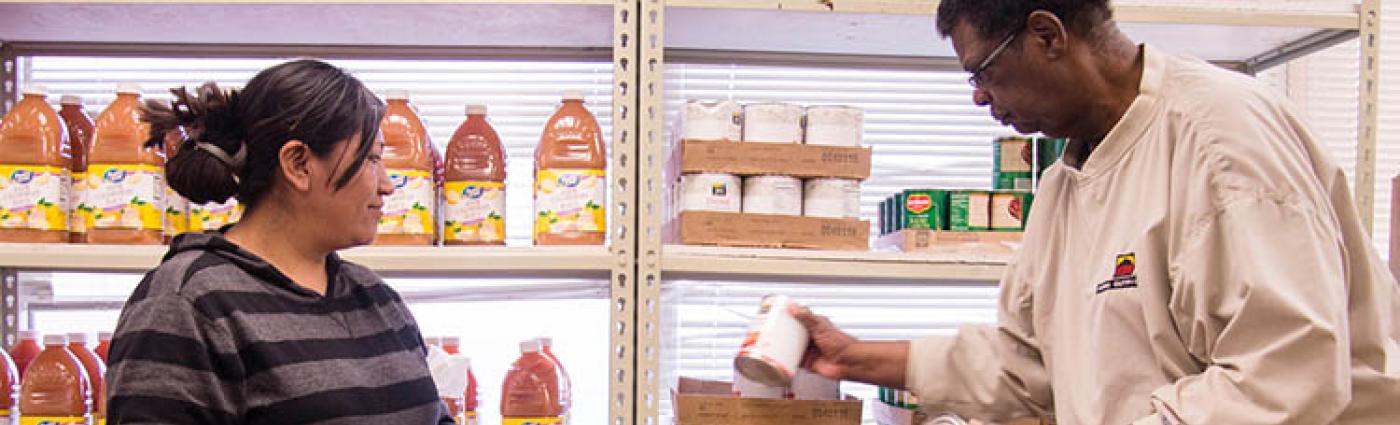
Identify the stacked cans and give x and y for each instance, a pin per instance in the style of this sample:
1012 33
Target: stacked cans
770 123
1018 161
955 210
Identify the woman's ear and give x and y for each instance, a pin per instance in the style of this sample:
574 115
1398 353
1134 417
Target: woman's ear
294 160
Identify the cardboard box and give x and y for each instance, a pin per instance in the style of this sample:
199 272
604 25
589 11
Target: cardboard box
769 231
699 402
944 242
699 156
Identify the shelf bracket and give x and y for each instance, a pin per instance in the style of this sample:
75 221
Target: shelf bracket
9 77
9 306
1368 101
1297 48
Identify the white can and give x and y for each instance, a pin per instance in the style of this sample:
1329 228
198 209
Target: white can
780 195
831 198
748 388
711 192
835 125
773 348
773 123
720 120
947 419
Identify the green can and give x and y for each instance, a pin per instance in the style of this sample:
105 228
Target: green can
1009 210
884 217
1013 163
899 223
1048 150
925 209
968 211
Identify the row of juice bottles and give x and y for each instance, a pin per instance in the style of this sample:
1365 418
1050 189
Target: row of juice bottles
65 177
63 382
536 389
60 383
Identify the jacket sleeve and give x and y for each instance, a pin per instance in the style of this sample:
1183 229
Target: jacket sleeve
165 368
1260 289
988 372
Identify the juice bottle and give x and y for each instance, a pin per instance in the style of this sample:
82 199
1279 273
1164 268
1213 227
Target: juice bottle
96 368
79 138
34 172
408 215
9 385
125 184
475 191
104 343
177 208
571 178
565 385
55 389
467 408
214 215
25 351
530 394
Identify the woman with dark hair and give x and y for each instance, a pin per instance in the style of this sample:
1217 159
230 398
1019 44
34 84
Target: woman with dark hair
261 322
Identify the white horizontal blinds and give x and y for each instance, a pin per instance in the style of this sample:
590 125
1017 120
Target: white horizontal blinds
1388 145
520 96
706 320
922 125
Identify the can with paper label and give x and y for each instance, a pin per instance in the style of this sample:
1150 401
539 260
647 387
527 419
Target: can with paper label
773 348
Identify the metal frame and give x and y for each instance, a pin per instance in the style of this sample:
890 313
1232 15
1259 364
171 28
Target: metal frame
9 77
1368 101
650 223
622 382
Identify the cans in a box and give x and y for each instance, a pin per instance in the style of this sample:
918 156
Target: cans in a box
773 348
773 123
925 209
780 195
834 125
711 192
1012 164
1009 211
968 211
720 120
831 198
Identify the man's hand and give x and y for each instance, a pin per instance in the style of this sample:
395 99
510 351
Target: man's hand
828 343
838 355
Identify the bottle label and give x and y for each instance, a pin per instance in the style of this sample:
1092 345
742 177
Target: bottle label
475 211
533 421
80 214
214 215
409 210
176 213
53 420
125 196
570 201
34 197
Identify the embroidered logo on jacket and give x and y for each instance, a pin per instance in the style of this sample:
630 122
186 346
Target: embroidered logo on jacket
1124 274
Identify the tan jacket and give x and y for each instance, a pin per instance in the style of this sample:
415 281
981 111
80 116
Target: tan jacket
1206 266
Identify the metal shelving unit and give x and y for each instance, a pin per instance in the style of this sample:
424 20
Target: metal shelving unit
774 29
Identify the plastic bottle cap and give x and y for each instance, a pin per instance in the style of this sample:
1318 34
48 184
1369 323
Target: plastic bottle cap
451 340
78 338
23 335
476 109
432 340
104 336
545 341
56 339
128 88
70 99
531 346
573 95
36 90
396 94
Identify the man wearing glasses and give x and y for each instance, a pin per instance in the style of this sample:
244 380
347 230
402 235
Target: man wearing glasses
1195 258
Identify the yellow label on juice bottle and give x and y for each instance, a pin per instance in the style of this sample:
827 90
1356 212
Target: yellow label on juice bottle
570 201
125 196
409 210
474 211
176 213
34 197
532 421
52 420
78 215
214 215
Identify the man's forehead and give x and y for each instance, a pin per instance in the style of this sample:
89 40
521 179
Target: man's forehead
965 41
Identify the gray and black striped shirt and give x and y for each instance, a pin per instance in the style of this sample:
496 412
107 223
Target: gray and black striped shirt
216 335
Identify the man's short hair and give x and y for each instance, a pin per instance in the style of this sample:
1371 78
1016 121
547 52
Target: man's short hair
995 18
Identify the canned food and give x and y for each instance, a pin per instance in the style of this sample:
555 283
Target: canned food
1009 211
780 195
773 348
831 198
834 125
1012 164
947 419
711 192
968 211
925 209
773 123
711 121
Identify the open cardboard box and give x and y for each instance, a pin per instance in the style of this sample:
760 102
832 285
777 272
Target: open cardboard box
787 159
769 231
701 402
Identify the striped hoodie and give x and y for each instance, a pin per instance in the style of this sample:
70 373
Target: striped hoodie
216 335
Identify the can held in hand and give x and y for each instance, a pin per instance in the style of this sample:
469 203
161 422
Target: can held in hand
773 348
